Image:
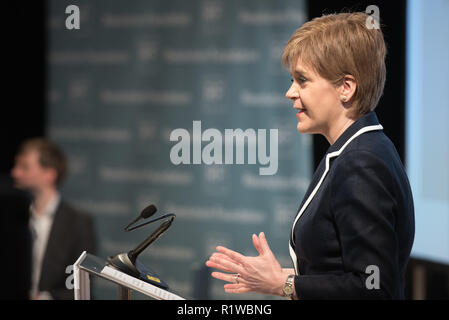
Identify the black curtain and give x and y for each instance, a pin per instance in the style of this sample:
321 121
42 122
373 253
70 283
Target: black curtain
391 107
22 116
24 76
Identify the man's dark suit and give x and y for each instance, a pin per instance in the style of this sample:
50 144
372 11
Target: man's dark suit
72 232
362 215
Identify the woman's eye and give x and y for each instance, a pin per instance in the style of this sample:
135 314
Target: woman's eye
300 80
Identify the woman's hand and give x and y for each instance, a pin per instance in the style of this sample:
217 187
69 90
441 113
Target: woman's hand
261 274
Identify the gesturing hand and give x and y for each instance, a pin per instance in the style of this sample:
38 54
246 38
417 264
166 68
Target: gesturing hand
261 274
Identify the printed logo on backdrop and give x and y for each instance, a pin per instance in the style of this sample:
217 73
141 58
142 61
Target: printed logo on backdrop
147 50
213 94
271 17
211 11
213 91
78 89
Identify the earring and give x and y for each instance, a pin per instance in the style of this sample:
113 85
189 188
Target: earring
344 98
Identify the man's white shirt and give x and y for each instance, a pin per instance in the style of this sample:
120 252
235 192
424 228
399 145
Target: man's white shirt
40 227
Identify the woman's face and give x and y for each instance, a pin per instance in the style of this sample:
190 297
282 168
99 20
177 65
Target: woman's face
317 100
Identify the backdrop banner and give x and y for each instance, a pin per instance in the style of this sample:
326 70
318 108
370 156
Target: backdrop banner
179 104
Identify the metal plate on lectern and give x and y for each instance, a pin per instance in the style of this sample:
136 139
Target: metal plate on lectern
97 266
93 264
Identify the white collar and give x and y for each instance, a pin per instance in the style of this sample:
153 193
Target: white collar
50 208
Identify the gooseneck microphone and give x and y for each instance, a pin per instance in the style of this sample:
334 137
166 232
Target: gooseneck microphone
128 263
146 213
151 221
133 254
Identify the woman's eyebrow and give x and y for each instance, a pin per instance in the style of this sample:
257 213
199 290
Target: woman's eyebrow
299 72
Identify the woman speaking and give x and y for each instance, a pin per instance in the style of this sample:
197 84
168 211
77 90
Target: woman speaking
353 233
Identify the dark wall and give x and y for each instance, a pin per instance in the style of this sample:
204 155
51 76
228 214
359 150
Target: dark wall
22 115
23 98
391 108
15 238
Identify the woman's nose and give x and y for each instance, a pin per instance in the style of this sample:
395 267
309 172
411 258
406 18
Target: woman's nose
292 92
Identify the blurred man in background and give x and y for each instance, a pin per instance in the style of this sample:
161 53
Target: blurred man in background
59 232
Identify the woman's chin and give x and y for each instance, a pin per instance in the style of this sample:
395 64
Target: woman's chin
301 128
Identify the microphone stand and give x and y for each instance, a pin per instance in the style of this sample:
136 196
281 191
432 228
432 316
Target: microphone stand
133 254
127 262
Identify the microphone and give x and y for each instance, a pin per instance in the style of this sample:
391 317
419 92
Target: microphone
146 213
151 221
128 263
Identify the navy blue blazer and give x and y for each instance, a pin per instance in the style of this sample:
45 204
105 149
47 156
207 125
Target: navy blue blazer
357 213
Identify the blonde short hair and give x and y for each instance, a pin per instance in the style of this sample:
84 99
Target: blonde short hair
336 45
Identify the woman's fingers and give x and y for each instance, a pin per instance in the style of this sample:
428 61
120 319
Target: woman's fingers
230 265
234 285
215 265
239 258
224 264
229 277
222 256
237 289
214 259
257 245
264 243
261 244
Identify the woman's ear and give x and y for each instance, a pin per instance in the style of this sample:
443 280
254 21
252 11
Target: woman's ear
347 88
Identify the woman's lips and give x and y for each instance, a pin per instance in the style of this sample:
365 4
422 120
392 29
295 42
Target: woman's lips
298 114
